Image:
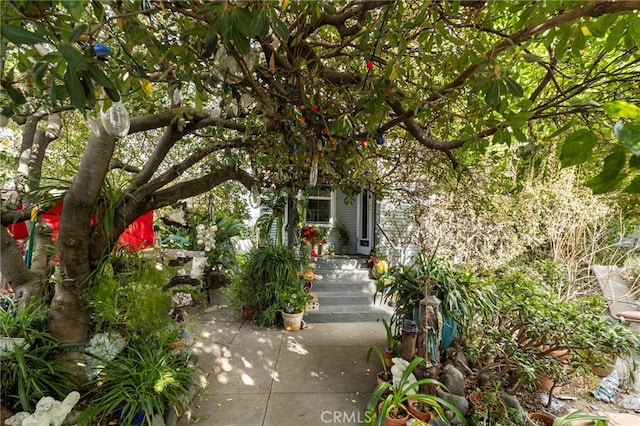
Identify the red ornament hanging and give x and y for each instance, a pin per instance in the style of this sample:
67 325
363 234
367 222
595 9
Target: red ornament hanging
369 64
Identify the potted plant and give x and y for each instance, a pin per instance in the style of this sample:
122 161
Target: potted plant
268 275
580 415
147 378
241 296
392 344
343 233
392 409
385 374
293 301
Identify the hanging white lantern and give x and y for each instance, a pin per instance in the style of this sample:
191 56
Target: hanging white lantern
254 198
115 120
313 174
300 202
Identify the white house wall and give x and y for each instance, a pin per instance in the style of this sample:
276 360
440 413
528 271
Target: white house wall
348 214
394 218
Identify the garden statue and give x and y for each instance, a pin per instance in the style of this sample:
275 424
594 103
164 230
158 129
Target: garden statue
49 412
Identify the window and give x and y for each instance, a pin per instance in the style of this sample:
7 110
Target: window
320 205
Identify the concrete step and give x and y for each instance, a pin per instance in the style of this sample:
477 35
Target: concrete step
345 292
368 286
343 274
342 262
348 314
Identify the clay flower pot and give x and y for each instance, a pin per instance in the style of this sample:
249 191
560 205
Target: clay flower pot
413 407
541 419
392 421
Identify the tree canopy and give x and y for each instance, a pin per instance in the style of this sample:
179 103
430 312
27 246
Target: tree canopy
359 94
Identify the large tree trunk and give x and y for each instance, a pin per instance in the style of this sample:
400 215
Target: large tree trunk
69 322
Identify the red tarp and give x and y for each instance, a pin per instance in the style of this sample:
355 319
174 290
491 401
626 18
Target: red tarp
137 236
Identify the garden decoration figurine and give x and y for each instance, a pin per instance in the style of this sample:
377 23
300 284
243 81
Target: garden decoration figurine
48 412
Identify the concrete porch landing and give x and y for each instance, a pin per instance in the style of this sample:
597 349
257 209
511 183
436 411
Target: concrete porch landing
315 376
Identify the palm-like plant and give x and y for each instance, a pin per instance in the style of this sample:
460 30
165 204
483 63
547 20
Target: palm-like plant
402 392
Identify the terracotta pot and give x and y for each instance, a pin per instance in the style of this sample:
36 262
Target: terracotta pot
292 322
248 313
420 415
391 421
381 379
541 418
388 358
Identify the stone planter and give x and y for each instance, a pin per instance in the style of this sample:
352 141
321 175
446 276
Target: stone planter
292 322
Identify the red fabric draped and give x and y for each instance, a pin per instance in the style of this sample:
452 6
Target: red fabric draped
137 236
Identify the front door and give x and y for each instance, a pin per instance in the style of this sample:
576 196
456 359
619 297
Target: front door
365 223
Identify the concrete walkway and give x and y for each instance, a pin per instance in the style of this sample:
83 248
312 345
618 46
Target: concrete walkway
315 376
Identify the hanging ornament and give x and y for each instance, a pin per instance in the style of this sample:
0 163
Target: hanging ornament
115 120
94 129
254 198
300 198
379 139
216 112
176 98
313 174
314 108
364 144
369 64
101 51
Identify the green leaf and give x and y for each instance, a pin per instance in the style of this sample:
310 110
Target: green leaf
600 185
614 35
257 23
16 96
19 35
39 69
241 19
75 88
281 29
75 7
528 57
513 86
113 93
579 40
629 135
622 109
77 32
73 57
613 164
577 147
634 186
634 162
240 42
99 76
493 93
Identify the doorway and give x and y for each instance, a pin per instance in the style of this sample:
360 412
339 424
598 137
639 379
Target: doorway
365 223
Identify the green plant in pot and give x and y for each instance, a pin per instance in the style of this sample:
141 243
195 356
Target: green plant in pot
385 374
270 272
567 419
393 405
146 378
392 344
531 333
